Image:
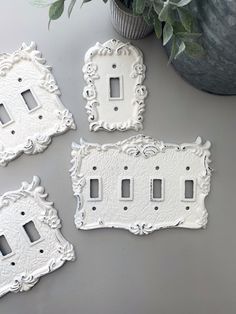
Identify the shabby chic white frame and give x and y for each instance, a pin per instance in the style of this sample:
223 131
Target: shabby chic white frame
114 52
29 131
147 214
22 268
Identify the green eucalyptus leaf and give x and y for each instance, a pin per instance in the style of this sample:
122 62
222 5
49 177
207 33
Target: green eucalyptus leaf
49 23
41 3
167 33
134 7
181 49
56 10
174 50
178 27
163 16
185 18
85 1
158 7
148 16
194 49
157 26
139 6
183 3
71 6
189 37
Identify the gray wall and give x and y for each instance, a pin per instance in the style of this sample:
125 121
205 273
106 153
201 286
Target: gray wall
170 271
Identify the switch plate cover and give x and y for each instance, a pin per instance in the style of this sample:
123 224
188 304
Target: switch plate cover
25 129
123 63
29 259
181 171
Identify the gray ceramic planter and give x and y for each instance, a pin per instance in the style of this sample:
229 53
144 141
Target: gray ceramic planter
126 24
215 73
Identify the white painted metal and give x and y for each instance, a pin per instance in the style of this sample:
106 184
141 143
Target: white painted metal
29 131
141 159
21 269
114 59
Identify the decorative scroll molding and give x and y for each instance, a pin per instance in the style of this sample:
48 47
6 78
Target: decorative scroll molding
22 268
141 157
114 59
29 131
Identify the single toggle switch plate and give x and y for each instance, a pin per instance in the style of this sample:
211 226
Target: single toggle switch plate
114 73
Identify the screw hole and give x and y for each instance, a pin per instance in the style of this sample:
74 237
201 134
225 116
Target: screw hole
188 168
19 79
125 167
125 208
157 168
114 66
41 251
187 208
13 263
40 117
13 132
94 208
116 108
94 168
22 213
156 207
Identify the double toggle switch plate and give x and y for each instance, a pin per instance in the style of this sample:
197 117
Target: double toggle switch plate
30 109
141 184
31 244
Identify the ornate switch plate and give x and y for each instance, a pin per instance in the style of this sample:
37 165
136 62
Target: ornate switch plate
115 94
31 244
141 184
30 109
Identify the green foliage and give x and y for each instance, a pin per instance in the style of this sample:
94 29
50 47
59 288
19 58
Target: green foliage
171 20
174 22
139 6
167 33
56 9
71 6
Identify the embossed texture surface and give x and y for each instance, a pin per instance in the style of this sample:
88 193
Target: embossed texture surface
177 271
141 161
114 59
28 130
30 259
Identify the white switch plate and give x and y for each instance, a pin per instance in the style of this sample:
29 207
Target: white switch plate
144 163
28 260
29 129
124 110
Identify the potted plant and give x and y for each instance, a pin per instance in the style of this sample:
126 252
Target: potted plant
216 72
171 20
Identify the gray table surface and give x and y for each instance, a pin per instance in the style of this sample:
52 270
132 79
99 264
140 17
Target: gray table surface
171 271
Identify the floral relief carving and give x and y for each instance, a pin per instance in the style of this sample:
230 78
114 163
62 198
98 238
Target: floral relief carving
141 228
96 97
23 282
156 215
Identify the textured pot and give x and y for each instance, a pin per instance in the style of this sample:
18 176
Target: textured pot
216 72
126 24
